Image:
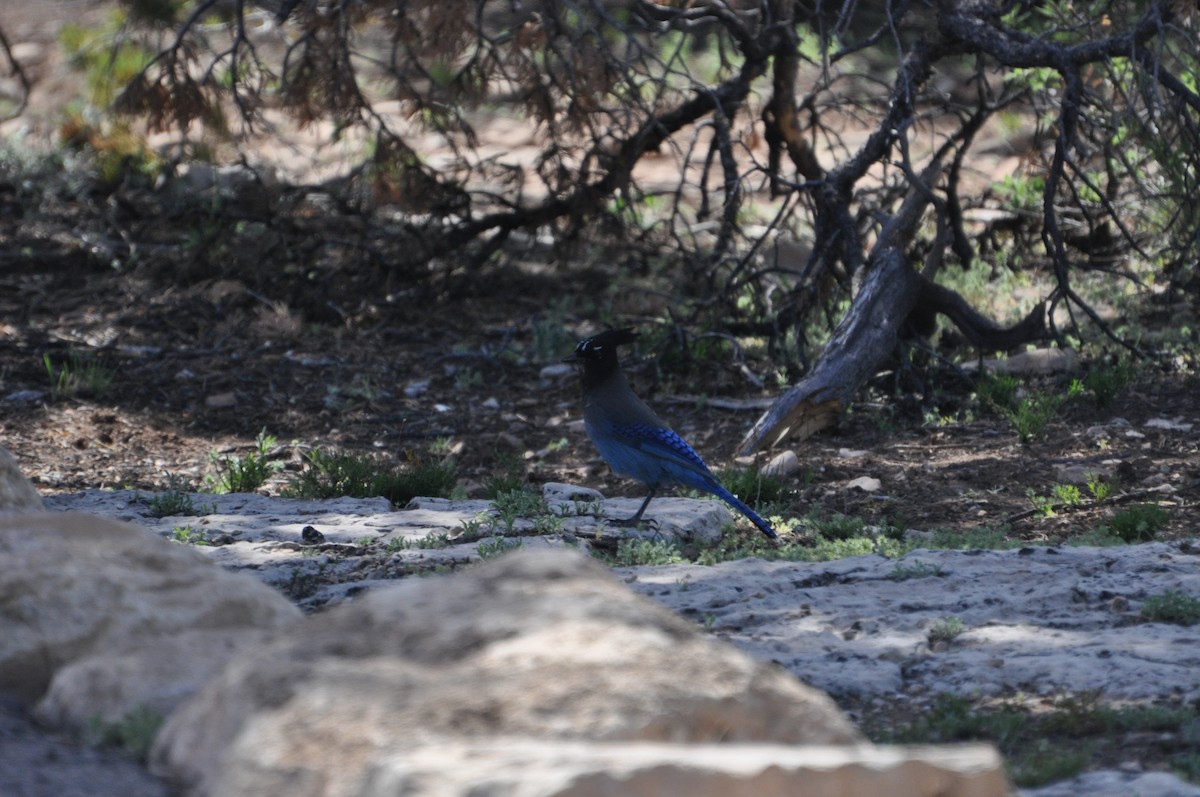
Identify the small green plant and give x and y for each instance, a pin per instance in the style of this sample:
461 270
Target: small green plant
548 523
247 473
1100 537
78 375
1068 495
982 538
519 504
904 572
474 528
1042 505
839 527
1171 606
945 630
953 718
134 733
1139 522
998 392
1041 762
1043 746
433 540
511 477
189 536
632 553
396 545
1031 414
175 500
1100 487
490 548
1107 381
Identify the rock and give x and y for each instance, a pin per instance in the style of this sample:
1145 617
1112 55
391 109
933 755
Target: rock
542 645
1170 424
555 372
868 484
17 494
102 618
556 493
536 768
1021 606
219 401
1082 474
682 519
782 465
1109 783
1034 361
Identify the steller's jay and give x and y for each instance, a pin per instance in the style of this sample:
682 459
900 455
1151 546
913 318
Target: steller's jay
631 438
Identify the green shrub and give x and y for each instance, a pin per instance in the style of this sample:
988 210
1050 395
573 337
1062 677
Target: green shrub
632 552
1171 606
998 392
1139 522
333 475
1031 414
244 474
1106 381
79 374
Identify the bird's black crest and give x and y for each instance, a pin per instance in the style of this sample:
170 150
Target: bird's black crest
605 343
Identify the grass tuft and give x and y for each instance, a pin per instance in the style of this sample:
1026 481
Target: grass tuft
334 475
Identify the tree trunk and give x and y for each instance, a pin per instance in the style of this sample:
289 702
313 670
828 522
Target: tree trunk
865 337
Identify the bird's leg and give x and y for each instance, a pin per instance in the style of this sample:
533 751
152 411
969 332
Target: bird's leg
637 516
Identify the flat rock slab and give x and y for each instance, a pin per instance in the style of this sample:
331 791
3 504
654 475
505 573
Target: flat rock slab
320 552
1036 620
1039 620
537 768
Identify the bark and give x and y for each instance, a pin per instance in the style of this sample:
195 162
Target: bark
865 337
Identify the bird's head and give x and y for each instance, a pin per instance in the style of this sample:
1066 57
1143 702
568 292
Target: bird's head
602 347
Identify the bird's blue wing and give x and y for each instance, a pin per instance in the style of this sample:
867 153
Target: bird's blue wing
669 448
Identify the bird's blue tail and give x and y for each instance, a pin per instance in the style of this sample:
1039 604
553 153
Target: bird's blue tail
735 502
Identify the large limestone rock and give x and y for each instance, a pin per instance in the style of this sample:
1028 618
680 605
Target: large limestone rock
17 493
100 618
537 768
536 645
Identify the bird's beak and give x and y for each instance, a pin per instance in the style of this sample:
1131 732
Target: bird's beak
571 359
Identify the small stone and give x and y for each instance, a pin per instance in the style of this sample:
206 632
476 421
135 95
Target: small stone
555 371
24 395
311 536
1173 425
219 401
783 464
414 389
557 493
868 484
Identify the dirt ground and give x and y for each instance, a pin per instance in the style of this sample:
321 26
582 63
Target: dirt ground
203 369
